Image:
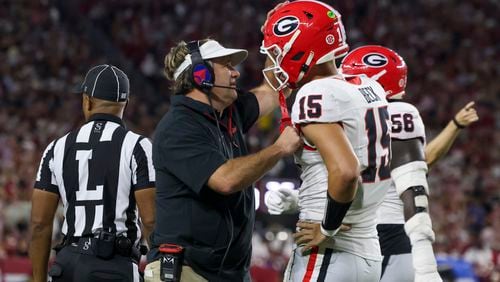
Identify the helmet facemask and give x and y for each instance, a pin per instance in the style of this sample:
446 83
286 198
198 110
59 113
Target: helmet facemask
280 76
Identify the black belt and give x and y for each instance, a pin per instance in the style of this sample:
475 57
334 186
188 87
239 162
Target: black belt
87 245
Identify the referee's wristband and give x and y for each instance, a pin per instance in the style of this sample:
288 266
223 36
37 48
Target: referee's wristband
328 233
458 125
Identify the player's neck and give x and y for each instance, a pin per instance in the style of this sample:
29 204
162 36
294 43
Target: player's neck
322 71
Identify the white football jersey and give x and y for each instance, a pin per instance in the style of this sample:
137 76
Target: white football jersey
406 124
359 105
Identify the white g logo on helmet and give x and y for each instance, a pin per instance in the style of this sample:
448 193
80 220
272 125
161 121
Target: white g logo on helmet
375 60
285 26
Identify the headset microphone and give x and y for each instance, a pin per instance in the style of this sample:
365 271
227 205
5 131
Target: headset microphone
211 85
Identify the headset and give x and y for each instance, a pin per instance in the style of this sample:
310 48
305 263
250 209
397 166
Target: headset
202 73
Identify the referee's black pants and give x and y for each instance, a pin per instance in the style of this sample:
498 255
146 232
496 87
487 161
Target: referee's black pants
73 266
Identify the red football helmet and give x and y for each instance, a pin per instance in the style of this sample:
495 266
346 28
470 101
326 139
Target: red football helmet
300 35
379 63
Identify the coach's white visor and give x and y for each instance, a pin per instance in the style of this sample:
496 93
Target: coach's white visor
211 50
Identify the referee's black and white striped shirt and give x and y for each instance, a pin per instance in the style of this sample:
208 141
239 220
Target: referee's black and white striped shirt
95 170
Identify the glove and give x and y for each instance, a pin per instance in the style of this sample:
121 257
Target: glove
424 262
419 230
282 200
428 277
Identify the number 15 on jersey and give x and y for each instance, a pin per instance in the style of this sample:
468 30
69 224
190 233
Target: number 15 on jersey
379 145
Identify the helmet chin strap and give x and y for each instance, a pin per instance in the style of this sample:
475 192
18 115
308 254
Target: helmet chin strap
285 116
305 66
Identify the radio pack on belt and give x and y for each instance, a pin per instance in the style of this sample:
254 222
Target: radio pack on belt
171 260
105 248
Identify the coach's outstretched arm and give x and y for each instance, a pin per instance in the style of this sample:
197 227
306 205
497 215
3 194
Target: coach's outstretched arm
239 173
408 171
440 145
42 217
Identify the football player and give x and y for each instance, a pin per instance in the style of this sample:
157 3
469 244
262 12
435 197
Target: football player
345 163
404 225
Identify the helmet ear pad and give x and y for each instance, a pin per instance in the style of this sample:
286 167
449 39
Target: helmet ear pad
202 73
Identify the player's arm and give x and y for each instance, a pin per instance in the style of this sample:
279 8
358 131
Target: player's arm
343 176
408 171
44 206
440 145
338 156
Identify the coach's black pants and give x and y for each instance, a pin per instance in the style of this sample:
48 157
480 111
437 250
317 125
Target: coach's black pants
73 266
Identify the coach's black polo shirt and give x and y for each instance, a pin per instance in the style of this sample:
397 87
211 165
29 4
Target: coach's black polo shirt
187 149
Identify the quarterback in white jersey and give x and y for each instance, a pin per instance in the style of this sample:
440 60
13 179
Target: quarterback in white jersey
345 126
358 104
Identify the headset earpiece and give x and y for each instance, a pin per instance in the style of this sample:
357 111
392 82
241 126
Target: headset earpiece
202 73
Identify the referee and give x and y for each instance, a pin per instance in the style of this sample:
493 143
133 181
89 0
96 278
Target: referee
101 172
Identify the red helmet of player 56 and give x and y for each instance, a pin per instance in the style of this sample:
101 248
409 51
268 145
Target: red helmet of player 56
298 36
379 63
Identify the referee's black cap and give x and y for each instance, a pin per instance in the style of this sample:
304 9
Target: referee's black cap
105 82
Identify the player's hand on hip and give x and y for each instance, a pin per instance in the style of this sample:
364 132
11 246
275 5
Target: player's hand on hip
467 115
289 141
310 235
282 200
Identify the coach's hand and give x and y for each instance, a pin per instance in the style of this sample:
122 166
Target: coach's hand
289 141
310 234
270 13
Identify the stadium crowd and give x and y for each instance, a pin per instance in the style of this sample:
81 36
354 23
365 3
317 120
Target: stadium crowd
451 49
